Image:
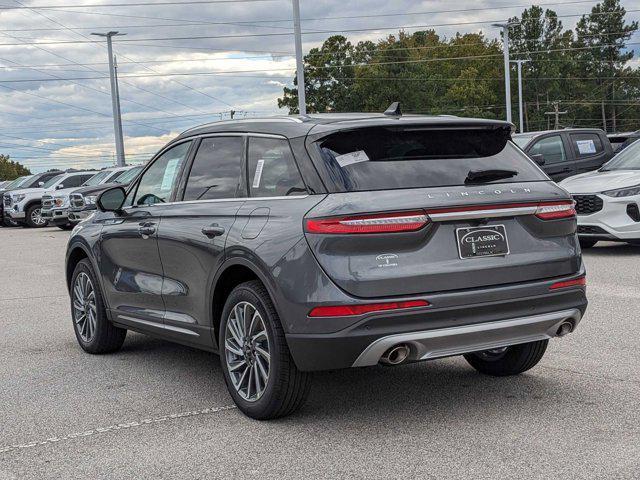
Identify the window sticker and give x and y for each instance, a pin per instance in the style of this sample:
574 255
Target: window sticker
258 175
351 158
586 147
169 174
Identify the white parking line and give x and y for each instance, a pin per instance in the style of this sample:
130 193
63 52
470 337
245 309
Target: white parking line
115 428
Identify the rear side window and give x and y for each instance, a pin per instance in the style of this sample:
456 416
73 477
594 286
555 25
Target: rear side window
272 169
215 173
76 180
586 144
396 158
551 149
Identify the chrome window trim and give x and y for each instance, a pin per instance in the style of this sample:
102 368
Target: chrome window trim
221 200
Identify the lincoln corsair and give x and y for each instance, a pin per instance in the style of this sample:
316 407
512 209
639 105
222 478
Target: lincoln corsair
295 244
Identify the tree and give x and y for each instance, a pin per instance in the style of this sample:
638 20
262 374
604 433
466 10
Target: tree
539 39
603 34
329 76
10 170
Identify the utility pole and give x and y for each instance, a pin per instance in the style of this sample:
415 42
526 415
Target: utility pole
115 97
556 112
520 109
302 100
507 77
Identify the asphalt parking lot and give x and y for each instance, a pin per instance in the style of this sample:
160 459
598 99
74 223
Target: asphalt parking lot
158 410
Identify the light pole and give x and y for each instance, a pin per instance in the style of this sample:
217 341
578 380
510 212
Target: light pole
520 109
507 77
302 100
115 98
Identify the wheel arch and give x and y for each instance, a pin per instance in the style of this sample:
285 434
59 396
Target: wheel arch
232 273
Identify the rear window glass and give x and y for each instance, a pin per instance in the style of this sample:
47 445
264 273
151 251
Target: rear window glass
586 144
385 158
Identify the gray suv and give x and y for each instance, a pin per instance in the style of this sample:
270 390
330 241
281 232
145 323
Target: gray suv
295 244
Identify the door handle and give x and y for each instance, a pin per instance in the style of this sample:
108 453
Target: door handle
147 229
212 231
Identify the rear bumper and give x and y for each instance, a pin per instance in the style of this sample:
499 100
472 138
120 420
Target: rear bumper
434 332
445 342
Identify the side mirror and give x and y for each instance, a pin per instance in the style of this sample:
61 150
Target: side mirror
40 184
538 158
60 186
111 200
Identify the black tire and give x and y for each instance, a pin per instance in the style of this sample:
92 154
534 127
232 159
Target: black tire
587 242
66 226
107 337
511 361
29 222
8 222
286 387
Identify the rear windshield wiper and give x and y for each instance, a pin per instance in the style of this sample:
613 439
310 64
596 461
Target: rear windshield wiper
484 176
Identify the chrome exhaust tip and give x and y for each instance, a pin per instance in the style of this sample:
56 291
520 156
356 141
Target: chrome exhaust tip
564 329
396 355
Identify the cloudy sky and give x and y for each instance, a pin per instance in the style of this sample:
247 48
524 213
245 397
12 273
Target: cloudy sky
183 63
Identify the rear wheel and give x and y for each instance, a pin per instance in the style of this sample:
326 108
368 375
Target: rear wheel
260 374
94 331
513 360
587 242
34 217
66 226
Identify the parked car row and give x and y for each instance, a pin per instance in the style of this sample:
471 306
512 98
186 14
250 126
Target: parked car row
37 200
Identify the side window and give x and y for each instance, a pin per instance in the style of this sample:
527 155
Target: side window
215 173
272 169
586 144
550 148
158 182
76 180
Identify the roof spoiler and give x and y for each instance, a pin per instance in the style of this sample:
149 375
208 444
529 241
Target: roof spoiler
394 110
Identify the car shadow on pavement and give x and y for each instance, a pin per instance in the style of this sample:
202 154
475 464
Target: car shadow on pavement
440 389
611 249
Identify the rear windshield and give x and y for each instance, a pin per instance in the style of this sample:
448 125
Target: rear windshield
387 159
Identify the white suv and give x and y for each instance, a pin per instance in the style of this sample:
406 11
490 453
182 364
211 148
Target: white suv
608 200
55 204
25 206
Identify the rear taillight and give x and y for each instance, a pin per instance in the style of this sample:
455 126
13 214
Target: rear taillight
556 210
351 310
576 282
379 223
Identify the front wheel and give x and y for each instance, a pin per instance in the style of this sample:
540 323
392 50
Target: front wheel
260 374
66 226
94 331
34 217
513 360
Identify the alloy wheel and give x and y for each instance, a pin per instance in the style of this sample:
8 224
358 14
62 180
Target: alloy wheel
84 307
247 352
36 217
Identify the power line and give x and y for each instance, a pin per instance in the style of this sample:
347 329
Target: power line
341 17
256 22
134 4
55 21
355 65
251 35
